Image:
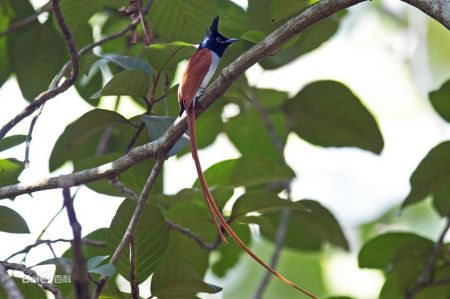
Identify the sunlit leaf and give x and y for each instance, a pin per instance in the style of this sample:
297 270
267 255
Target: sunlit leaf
10 170
130 82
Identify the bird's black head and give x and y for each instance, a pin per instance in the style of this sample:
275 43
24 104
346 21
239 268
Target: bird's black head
215 41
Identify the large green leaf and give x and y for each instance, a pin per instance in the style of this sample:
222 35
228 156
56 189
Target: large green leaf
151 238
182 20
262 202
389 248
327 113
432 177
307 230
129 63
10 170
91 123
36 55
440 99
12 222
4 60
247 171
11 141
438 41
130 82
281 9
176 279
234 19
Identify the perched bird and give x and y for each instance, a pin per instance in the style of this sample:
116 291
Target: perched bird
198 72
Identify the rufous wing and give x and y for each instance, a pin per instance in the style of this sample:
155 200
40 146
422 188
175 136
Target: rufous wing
196 69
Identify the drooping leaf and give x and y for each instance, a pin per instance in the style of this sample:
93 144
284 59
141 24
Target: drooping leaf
176 279
307 230
262 202
12 222
432 177
130 63
182 20
383 250
10 170
91 123
11 141
158 125
247 171
440 99
327 113
95 261
130 82
151 238
107 270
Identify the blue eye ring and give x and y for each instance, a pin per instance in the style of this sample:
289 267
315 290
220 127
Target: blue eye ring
218 39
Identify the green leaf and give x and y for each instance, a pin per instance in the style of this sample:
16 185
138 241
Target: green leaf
4 60
262 202
230 253
281 9
440 99
177 279
234 19
151 238
107 270
10 169
91 123
308 231
432 177
251 137
327 113
12 222
130 63
130 82
11 141
33 60
383 250
168 55
182 20
95 261
158 125
247 171
438 40
254 36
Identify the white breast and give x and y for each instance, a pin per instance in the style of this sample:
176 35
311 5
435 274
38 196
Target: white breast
215 61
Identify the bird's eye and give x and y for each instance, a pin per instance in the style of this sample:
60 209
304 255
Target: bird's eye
219 39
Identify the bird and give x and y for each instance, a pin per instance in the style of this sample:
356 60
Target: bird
194 79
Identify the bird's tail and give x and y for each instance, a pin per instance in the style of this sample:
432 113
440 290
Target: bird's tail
216 215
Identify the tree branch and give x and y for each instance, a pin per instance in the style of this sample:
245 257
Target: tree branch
79 269
12 292
437 9
426 277
36 278
134 220
133 281
264 48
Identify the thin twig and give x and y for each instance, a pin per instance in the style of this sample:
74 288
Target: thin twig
79 268
185 231
36 278
426 277
27 20
133 280
30 134
134 220
12 292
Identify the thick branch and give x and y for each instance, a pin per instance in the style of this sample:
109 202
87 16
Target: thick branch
36 278
437 9
265 48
